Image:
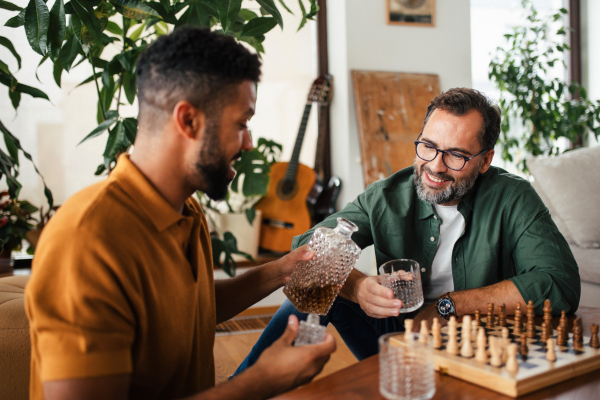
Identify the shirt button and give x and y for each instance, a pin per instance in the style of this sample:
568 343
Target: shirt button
432 239
435 216
423 270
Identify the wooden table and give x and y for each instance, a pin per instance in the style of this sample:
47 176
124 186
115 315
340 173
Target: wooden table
361 381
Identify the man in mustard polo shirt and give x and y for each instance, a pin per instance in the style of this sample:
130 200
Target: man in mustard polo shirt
122 301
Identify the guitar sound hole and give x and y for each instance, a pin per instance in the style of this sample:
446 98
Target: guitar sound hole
286 190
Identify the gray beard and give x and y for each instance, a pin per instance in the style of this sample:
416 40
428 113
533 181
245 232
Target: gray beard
456 191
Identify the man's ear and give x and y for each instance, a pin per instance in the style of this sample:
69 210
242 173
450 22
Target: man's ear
188 120
488 156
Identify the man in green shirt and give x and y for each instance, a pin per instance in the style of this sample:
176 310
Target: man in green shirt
480 234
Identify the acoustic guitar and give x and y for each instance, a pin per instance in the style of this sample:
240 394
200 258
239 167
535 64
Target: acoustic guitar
284 208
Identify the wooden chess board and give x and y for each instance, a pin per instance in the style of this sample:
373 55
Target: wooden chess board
535 372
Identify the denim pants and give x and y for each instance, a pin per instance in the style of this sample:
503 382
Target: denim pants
359 331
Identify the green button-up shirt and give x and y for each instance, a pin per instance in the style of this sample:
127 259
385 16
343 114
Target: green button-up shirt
508 234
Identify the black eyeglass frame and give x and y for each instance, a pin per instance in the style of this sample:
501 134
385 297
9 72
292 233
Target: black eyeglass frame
437 151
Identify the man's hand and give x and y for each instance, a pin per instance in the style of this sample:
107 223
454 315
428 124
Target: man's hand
290 261
375 300
428 314
282 366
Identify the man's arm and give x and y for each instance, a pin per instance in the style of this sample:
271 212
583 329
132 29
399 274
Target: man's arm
467 301
280 368
236 294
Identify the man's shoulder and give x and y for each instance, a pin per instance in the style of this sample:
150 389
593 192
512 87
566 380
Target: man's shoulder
399 182
498 185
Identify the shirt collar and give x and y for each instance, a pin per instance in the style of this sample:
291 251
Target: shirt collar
141 190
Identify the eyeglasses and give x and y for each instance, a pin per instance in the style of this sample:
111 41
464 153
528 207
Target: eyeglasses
454 161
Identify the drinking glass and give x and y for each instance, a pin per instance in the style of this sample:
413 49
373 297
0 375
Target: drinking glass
406 368
404 278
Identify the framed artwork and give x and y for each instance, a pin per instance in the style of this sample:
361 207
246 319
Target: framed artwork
411 12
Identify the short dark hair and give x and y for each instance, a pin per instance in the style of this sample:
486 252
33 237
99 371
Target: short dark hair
196 65
460 101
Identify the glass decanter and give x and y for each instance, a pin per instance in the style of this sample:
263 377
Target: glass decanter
310 331
315 284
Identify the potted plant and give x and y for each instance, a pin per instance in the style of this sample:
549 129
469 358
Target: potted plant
548 107
234 222
16 221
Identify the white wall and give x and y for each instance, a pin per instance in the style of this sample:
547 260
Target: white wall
590 51
359 38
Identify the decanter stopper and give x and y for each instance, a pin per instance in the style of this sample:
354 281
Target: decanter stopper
310 332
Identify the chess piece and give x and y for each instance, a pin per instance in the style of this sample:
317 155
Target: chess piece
466 349
548 317
436 331
524 350
530 324
563 320
490 316
496 351
544 335
512 366
424 334
594 343
478 317
550 353
560 337
481 354
452 345
518 324
502 315
474 328
408 327
577 338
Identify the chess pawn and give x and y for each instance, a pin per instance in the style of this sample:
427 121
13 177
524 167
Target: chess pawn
408 327
466 349
524 350
481 354
436 331
452 345
490 316
502 315
560 337
563 320
550 353
594 342
512 365
544 336
474 328
424 334
505 343
496 350
478 317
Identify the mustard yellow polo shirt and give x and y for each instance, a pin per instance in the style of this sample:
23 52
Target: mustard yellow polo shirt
123 283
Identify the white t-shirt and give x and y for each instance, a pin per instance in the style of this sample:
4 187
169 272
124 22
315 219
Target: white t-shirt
452 227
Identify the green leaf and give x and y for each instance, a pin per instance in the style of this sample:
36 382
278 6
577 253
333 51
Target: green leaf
58 70
255 169
16 21
247 14
259 26
228 11
117 140
113 28
250 214
271 8
15 98
197 15
43 60
303 21
99 129
33 92
130 128
8 44
286 7
57 29
134 9
137 33
37 18
101 168
9 6
69 52
91 31
129 86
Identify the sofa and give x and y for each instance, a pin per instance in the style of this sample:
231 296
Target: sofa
569 185
15 350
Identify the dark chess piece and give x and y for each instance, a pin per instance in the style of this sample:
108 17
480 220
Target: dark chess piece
594 343
523 349
502 315
478 317
544 336
563 319
577 338
490 316
530 328
560 338
548 318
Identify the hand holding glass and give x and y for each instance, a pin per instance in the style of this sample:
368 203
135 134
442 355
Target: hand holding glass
404 278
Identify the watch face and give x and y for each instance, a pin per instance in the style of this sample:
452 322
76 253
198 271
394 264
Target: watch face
445 307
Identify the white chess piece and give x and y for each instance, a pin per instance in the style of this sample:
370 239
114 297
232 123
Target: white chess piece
481 355
512 365
550 354
436 331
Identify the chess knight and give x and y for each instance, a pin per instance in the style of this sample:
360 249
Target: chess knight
480 234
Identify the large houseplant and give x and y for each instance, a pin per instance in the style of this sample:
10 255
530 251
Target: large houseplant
247 188
547 107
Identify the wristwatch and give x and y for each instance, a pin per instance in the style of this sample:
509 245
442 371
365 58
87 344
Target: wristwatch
445 306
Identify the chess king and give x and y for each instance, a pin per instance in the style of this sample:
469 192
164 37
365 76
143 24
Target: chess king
480 234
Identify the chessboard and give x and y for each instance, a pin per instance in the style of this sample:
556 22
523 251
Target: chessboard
534 372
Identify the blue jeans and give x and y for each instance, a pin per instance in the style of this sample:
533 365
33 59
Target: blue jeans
359 331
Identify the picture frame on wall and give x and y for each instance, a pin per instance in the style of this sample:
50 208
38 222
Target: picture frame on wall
410 12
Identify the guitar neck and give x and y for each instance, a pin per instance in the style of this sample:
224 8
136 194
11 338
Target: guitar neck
292 169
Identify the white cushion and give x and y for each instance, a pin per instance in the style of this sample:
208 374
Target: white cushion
571 184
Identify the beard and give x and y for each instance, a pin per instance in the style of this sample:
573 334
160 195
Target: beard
457 189
213 165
